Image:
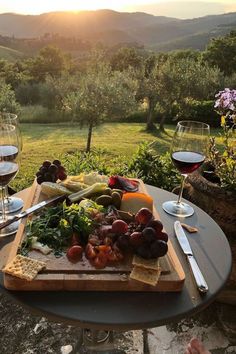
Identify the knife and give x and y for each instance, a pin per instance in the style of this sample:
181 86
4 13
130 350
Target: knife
184 244
31 210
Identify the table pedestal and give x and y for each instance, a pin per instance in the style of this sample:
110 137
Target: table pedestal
95 341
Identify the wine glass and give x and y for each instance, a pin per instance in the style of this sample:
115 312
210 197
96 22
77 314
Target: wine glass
9 166
12 204
188 152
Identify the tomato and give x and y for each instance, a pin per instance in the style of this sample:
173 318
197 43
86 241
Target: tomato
74 253
100 261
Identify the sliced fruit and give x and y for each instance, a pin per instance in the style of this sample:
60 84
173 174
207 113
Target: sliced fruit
133 202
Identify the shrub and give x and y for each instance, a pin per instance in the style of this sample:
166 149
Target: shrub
153 169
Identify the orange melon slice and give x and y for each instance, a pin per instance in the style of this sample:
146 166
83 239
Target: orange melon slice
133 202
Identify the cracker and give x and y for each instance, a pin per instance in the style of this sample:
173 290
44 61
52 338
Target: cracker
147 276
24 267
146 263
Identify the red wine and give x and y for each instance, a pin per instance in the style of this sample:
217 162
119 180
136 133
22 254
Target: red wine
7 172
8 152
187 161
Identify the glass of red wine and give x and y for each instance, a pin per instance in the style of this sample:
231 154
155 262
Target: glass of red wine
9 166
188 152
12 204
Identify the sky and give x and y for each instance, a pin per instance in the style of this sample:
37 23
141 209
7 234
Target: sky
174 8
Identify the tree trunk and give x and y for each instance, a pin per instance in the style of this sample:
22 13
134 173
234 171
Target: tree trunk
150 125
161 125
89 137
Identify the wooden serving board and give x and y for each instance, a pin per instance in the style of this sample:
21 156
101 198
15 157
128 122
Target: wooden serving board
60 274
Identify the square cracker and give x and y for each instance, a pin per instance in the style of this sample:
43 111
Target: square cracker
147 276
146 263
24 267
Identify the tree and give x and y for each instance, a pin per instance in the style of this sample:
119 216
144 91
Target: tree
221 52
50 61
8 101
186 79
125 58
101 94
148 91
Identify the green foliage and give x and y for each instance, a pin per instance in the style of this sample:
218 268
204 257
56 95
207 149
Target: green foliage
153 169
145 164
126 58
28 93
8 101
221 52
50 61
202 111
39 114
101 94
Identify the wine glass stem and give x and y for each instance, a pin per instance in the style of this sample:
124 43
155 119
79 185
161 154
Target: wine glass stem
3 204
181 189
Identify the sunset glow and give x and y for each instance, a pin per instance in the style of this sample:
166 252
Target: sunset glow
36 7
158 7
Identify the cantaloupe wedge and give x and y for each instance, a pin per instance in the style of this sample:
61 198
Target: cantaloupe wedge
133 202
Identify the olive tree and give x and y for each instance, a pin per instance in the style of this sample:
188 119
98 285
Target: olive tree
186 79
101 94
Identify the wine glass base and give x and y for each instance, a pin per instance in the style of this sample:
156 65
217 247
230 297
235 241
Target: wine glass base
10 229
178 209
12 204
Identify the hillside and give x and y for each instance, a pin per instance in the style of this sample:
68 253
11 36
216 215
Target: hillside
9 54
111 28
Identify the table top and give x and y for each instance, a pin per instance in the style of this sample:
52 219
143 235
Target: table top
136 310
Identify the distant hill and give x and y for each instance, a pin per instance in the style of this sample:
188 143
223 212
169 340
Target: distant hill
112 28
10 54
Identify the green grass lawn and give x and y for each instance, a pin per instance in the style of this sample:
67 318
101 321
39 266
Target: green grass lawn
45 141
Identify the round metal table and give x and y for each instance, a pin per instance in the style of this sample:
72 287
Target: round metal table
137 310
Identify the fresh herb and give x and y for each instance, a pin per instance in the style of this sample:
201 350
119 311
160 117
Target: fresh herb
55 226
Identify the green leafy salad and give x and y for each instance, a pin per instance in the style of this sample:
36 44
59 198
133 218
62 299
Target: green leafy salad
55 226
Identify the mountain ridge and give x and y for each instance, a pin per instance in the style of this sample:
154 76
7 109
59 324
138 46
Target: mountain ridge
112 27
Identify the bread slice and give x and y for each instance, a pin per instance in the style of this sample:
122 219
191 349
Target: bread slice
24 267
147 276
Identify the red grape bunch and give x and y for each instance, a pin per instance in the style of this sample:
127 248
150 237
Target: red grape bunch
145 236
51 172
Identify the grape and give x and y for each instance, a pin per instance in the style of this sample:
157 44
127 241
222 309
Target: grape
61 175
46 163
119 227
144 251
136 239
53 169
149 234
40 179
123 242
57 162
162 236
158 248
50 172
143 216
43 170
48 177
156 225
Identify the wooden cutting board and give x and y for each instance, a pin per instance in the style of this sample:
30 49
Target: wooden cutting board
60 274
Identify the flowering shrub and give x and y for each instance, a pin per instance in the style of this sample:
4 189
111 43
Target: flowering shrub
225 163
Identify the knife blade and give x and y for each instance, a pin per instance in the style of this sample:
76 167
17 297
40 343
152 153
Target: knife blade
31 210
184 244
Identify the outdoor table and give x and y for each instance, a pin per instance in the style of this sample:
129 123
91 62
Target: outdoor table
138 310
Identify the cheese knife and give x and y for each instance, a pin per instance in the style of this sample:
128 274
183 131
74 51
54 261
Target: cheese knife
31 210
184 244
